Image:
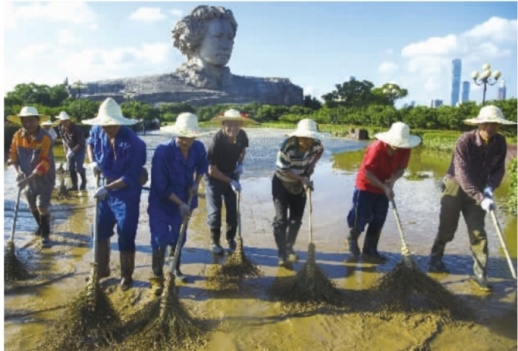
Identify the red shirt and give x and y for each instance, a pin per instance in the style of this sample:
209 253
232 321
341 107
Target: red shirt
381 164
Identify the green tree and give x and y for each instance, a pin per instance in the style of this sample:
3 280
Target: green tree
312 102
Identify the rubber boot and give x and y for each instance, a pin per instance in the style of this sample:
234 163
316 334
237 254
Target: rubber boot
480 278
293 231
177 272
231 238
45 231
216 247
435 263
370 247
157 265
83 180
127 260
36 215
73 178
103 258
280 240
352 241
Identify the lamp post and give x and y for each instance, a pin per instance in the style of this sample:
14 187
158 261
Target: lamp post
485 78
78 86
391 94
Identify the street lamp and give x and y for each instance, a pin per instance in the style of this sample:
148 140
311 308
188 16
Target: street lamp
392 94
486 77
78 86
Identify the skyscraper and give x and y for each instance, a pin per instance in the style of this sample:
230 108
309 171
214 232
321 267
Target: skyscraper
455 81
502 90
465 91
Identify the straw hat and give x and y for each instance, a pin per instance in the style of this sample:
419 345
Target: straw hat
233 115
27 111
489 114
47 123
63 116
186 126
399 136
110 114
307 128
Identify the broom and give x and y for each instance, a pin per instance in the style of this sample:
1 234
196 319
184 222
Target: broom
165 324
13 268
408 288
310 285
90 321
237 265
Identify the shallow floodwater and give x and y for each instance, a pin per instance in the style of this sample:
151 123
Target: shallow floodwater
253 321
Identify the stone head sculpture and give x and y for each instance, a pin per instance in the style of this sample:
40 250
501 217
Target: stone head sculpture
206 36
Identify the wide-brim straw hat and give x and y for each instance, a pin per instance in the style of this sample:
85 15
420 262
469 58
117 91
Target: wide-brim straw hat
489 114
186 126
63 116
233 115
307 128
399 136
110 114
48 123
27 111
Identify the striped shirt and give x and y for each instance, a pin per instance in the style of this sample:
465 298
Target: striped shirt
477 164
290 157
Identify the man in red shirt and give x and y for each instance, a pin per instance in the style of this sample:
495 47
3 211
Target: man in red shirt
384 162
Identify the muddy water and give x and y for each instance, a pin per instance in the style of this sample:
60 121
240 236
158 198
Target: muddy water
253 321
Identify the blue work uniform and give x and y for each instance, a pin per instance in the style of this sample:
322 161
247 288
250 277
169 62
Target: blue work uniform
125 160
172 173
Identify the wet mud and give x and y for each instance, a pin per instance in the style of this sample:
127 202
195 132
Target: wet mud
247 316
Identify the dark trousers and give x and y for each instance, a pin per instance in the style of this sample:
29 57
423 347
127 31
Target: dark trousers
216 192
289 210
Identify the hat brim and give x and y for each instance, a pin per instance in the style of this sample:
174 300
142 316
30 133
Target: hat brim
478 120
17 119
110 121
171 129
244 120
302 134
408 143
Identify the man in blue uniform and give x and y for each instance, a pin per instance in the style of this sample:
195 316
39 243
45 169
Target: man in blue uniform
177 168
119 154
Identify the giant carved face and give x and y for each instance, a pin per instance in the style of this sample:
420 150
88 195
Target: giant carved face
216 47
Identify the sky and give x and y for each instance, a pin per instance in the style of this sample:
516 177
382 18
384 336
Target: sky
315 44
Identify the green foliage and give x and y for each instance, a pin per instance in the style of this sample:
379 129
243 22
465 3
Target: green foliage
512 202
312 102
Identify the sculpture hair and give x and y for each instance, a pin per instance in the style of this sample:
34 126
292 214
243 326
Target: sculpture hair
189 32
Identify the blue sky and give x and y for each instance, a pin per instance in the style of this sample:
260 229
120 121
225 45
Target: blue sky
314 44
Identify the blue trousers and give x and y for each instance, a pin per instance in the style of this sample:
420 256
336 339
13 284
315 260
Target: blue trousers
368 208
121 208
76 164
217 192
165 230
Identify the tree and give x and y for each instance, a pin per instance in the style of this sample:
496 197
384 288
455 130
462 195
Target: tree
312 102
352 93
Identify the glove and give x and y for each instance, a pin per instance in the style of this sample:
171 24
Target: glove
94 167
194 188
184 210
235 186
488 192
308 184
70 154
101 193
239 169
20 176
487 204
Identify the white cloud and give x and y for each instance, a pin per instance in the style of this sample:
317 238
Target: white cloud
387 67
33 51
147 14
176 13
427 63
67 37
72 12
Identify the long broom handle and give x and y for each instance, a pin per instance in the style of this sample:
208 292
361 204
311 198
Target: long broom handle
238 212
183 229
502 242
404 249
96 220
15 214
310 215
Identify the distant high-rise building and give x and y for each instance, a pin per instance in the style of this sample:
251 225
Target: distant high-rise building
465 91
502 90
455 81
435 103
